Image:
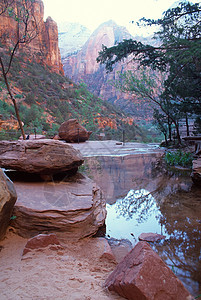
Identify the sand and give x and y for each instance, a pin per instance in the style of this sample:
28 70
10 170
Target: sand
75 272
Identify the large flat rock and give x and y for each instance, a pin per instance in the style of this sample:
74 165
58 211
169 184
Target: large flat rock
39 156
74 205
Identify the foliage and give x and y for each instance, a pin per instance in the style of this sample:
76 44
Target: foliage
197 126
179 35
9 134
179 158
42 93
178 54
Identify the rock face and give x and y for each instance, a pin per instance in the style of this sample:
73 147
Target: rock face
74 206
83 66
44 47
8 198
142 275
72 37
71 131
39 156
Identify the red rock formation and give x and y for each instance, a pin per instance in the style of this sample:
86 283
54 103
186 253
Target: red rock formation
41 241
83 66
142 275
71 131
44 46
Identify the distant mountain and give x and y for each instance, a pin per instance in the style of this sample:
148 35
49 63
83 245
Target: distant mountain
72 37
82 66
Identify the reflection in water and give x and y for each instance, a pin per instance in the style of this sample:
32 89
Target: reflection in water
144 197
138 203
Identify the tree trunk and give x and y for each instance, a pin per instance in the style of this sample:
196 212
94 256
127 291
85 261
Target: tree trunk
166 142
13 100
169 129
177 131
187 126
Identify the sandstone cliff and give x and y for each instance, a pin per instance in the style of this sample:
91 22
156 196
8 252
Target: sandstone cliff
83 66
44 46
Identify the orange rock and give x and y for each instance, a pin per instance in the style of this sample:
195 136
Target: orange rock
45 43
143 275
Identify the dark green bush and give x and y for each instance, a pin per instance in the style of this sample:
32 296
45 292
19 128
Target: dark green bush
179 158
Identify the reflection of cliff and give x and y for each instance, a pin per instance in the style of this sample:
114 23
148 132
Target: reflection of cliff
117 175
44 47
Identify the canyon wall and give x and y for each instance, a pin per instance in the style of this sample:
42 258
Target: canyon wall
82 66
43 41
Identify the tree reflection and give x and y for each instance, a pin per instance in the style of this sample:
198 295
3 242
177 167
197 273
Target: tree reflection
138 203
183 249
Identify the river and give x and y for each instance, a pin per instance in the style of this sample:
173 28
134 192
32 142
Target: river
142 196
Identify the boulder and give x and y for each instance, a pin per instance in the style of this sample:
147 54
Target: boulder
196 173
151 237
8 198
71 131
142 275
41 241
74 205
39 156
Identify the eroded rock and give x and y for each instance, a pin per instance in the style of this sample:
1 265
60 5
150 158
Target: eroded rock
71 131
142 275
74 205
8 198
41 241
39 156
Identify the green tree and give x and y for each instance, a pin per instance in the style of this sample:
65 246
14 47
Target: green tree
178 54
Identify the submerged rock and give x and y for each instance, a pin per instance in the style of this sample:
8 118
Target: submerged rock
39 156
8 198
74 205
142 275
151 237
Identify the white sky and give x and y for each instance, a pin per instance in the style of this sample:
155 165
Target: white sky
92 13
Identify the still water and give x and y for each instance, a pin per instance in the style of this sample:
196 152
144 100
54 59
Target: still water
142 196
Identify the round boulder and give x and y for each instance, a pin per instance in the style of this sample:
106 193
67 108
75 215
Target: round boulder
71 131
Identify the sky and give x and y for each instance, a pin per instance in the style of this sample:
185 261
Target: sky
92 13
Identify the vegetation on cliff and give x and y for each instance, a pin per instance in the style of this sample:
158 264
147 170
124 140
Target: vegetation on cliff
42 97
46 99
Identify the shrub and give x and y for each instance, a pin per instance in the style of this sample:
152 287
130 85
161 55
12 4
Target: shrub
179 158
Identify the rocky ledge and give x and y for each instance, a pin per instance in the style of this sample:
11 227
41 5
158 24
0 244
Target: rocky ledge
39 156
74 205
